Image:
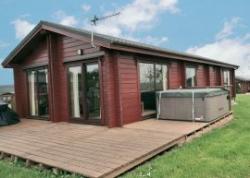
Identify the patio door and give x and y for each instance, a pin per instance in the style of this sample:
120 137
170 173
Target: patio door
84 92
153 78
38 93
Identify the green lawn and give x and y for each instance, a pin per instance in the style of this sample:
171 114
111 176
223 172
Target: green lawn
222 153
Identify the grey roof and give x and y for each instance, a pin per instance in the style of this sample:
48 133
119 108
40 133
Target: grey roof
241 78
6 89
112 40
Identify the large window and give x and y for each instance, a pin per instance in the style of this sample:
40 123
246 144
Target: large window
84 91
226 77
190 76
38 92
153 76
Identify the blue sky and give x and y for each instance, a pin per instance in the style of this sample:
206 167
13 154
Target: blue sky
212 28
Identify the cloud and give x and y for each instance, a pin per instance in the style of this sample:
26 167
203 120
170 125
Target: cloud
228 28
86 7
22 27
3 44
65 19
235 50
154 40
139 14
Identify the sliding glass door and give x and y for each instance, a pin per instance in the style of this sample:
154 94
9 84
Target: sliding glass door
38 92
84 91
153 77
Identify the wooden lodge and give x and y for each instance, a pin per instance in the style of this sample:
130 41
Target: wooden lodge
61 75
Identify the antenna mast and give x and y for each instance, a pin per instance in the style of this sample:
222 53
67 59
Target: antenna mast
94 23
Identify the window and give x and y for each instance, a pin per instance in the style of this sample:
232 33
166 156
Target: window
84 91
153 76
75 85
38 92
160 77
226 77
147 76
190 77
93 90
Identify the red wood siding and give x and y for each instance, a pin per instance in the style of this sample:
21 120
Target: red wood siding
176 75
38 56
59 76
111 107
202 76
215 76
20 91
129 89
69 47
119 80
243 86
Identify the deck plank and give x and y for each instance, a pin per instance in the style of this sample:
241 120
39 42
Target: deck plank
95 151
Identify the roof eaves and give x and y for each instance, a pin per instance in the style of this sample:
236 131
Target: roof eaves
158 49
19 47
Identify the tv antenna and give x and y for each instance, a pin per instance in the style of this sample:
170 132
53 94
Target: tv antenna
94 23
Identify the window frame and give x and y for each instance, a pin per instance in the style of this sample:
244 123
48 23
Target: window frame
154 63
84 118
185 74
228 83
28 93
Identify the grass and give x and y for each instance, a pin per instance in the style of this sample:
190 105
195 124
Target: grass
18 170
222 153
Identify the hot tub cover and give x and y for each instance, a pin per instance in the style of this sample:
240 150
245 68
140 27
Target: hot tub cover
7 116
188 93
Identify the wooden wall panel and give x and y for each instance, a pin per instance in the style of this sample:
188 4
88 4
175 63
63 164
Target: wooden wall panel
129 89
111 106
20 84
38 56
69 47
202 76
215 76
59 89
176 75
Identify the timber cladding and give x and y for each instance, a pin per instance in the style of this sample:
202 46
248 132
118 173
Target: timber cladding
119 79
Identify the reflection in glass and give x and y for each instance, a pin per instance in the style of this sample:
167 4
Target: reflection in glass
153 77
32 93
226 77
147 76
160 77
190 77
75 85
93 91
42 92
38 92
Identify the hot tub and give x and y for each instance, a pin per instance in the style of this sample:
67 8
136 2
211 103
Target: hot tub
193 104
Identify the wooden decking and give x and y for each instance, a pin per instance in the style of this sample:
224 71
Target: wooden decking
95 151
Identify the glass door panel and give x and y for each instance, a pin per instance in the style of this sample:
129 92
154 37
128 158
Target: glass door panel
92 91
38 92
32 93
42 92
76 96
